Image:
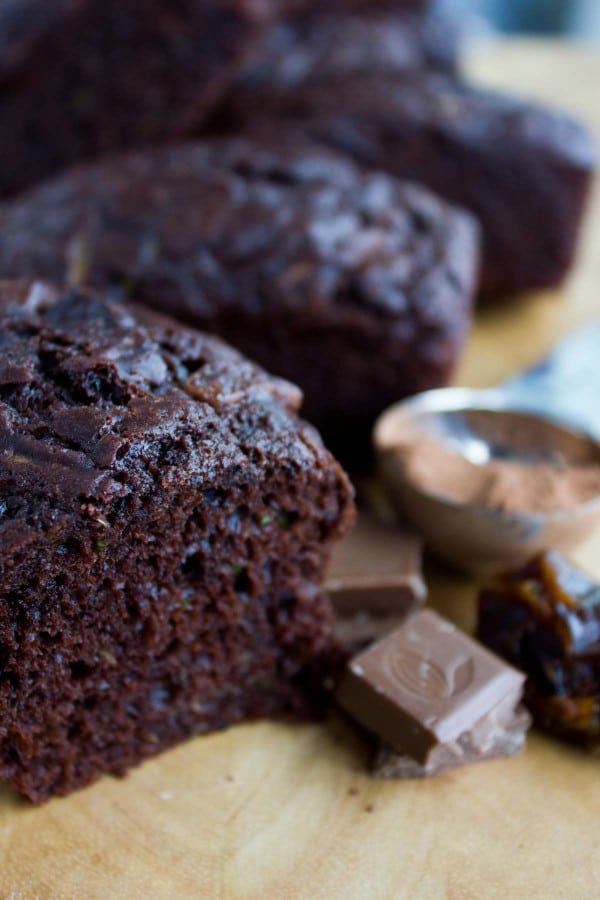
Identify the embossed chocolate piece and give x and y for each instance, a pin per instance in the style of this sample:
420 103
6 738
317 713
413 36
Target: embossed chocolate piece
545 618
375 581
435 697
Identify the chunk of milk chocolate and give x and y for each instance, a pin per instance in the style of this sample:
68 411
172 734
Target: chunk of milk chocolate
435 697
375 580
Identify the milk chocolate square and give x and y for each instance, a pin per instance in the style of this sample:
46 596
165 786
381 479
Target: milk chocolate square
435 697
375 580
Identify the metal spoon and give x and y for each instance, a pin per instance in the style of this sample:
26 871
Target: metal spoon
560 398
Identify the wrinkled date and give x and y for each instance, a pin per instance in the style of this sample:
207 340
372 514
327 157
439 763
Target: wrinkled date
545 619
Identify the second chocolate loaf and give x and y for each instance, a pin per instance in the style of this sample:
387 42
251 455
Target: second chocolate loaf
523 170
355 286
328 44
79 78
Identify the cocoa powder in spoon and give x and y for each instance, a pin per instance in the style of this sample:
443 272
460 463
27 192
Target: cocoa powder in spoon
507 485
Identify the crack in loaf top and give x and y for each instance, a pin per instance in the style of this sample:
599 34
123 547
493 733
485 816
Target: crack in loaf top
240 225
99 400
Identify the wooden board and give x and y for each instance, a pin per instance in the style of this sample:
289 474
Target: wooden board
269 811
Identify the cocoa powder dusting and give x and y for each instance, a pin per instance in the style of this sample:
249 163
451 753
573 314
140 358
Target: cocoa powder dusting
511 486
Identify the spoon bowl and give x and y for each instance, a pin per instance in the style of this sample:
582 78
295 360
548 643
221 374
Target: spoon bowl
484 426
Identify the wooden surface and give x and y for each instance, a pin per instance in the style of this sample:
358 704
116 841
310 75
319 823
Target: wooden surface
288 812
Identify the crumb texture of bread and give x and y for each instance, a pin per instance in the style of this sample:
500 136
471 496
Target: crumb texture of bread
165 522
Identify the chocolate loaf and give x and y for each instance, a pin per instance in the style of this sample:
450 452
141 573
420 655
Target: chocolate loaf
329 45
523 170
311 7
82 78
354 286
79 78
166 520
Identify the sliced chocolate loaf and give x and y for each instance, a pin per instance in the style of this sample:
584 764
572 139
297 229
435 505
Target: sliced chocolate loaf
355 286
166 520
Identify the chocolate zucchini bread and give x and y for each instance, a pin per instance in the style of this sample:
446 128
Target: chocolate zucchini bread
166 520
355 286
523 170
79 78
328 45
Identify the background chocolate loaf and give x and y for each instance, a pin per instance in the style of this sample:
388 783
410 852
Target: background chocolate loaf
355 286
523 170
80 78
